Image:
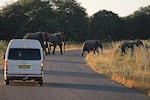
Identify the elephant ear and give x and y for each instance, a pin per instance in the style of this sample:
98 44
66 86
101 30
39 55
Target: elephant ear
97 42
40 38
45 36
60 36
100 44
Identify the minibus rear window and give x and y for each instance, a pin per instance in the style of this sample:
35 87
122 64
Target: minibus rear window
24 54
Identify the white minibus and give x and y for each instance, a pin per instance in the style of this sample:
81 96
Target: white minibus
24 61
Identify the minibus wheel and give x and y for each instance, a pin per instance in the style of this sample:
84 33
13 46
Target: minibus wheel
40 82
7 82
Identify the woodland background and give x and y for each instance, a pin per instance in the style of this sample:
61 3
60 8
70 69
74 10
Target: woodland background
70 17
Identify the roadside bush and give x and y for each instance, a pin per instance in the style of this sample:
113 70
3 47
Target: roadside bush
3 46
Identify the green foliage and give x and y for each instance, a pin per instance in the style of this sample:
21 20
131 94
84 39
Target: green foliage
35 15
70 17
137 24
73 19
105 25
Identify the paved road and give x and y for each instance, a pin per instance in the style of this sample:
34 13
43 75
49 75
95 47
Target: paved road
68 78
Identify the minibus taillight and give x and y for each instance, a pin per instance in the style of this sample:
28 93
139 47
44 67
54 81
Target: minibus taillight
6 65
42 65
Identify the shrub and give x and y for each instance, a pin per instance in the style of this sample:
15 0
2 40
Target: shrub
3 46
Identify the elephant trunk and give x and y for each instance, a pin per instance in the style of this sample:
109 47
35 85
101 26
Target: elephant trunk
64 46
63 40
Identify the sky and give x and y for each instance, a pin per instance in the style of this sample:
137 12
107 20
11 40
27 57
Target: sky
120 7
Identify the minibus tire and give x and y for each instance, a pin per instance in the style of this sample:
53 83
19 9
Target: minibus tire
40 82
7 82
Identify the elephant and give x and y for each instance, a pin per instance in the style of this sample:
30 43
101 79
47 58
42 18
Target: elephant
139 43
92 45
126 45
57 39
41 36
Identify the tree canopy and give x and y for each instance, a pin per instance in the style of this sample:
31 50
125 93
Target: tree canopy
105 25
70 17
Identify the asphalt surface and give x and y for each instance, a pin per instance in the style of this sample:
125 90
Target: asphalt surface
67 77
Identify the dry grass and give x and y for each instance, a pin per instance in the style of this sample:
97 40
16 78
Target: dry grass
3 46
131 71
73 46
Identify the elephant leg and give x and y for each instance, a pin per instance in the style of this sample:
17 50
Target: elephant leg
60 47
45 51
45 48
123 51
94 51
54 50
101 50
97 50
49 50
132 51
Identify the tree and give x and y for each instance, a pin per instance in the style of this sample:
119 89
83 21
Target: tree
137 24
9 23
45 15
72 18
69 17
105 25
27 16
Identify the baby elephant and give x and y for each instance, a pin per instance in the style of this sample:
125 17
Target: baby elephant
92 45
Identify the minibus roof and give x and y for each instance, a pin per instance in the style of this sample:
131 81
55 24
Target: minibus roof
24 43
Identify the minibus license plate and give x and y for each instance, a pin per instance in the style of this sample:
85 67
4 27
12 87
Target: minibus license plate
24 66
